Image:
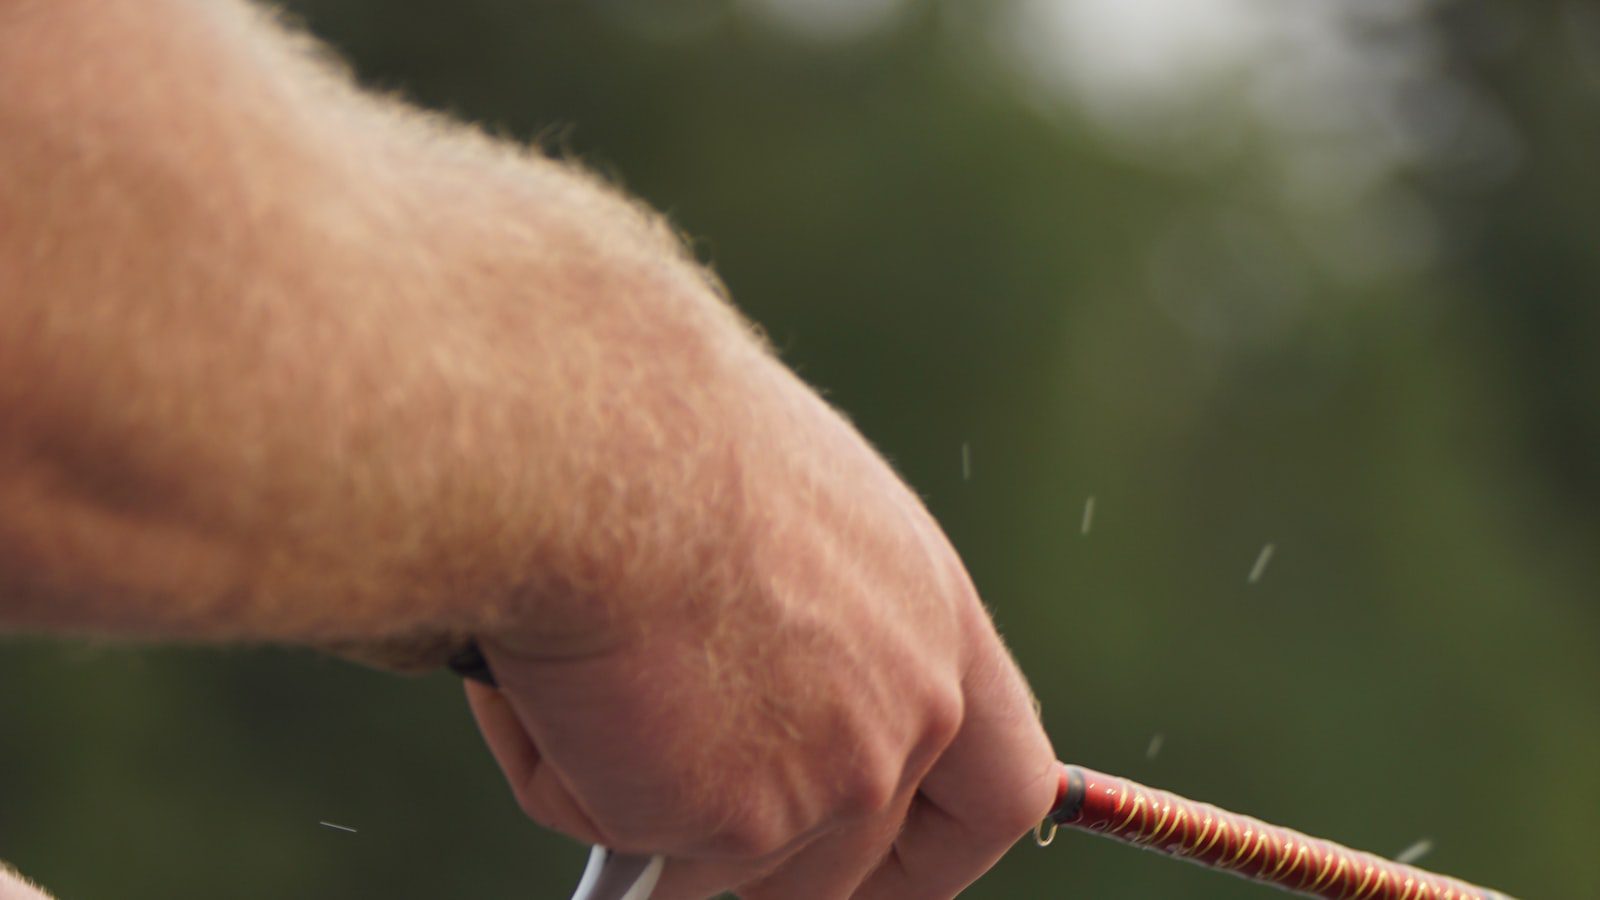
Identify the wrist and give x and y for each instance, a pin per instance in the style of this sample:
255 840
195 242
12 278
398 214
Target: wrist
590 386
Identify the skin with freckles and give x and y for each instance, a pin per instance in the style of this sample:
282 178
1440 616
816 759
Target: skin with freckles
281 361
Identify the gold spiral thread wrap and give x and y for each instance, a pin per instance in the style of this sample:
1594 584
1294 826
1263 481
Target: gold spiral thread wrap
1217 839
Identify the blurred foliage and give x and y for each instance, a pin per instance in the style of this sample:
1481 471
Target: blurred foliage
958 263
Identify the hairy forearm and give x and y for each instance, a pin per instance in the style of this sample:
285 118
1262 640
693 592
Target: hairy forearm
14 887
281 361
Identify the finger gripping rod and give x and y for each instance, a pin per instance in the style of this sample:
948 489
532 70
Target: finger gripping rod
1156 820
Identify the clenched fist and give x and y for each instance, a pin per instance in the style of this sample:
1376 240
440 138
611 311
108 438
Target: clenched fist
807 702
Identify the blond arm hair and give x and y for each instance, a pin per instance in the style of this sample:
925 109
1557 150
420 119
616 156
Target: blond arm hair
282 360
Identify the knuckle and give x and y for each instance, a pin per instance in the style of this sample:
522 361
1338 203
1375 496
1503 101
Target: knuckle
946 711
869 790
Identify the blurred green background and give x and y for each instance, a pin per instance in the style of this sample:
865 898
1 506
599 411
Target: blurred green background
1320 276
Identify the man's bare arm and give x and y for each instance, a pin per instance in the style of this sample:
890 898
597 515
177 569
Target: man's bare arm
280 360
14 887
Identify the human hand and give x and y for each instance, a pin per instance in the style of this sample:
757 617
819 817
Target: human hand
396 381
813 705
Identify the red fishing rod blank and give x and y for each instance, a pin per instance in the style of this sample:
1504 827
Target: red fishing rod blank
1218 839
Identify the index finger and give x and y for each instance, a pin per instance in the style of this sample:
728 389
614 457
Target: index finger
997 779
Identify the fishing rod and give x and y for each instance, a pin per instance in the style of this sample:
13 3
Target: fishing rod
1229 842
1145 817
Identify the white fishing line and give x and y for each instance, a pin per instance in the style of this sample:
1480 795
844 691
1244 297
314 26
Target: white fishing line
618 876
